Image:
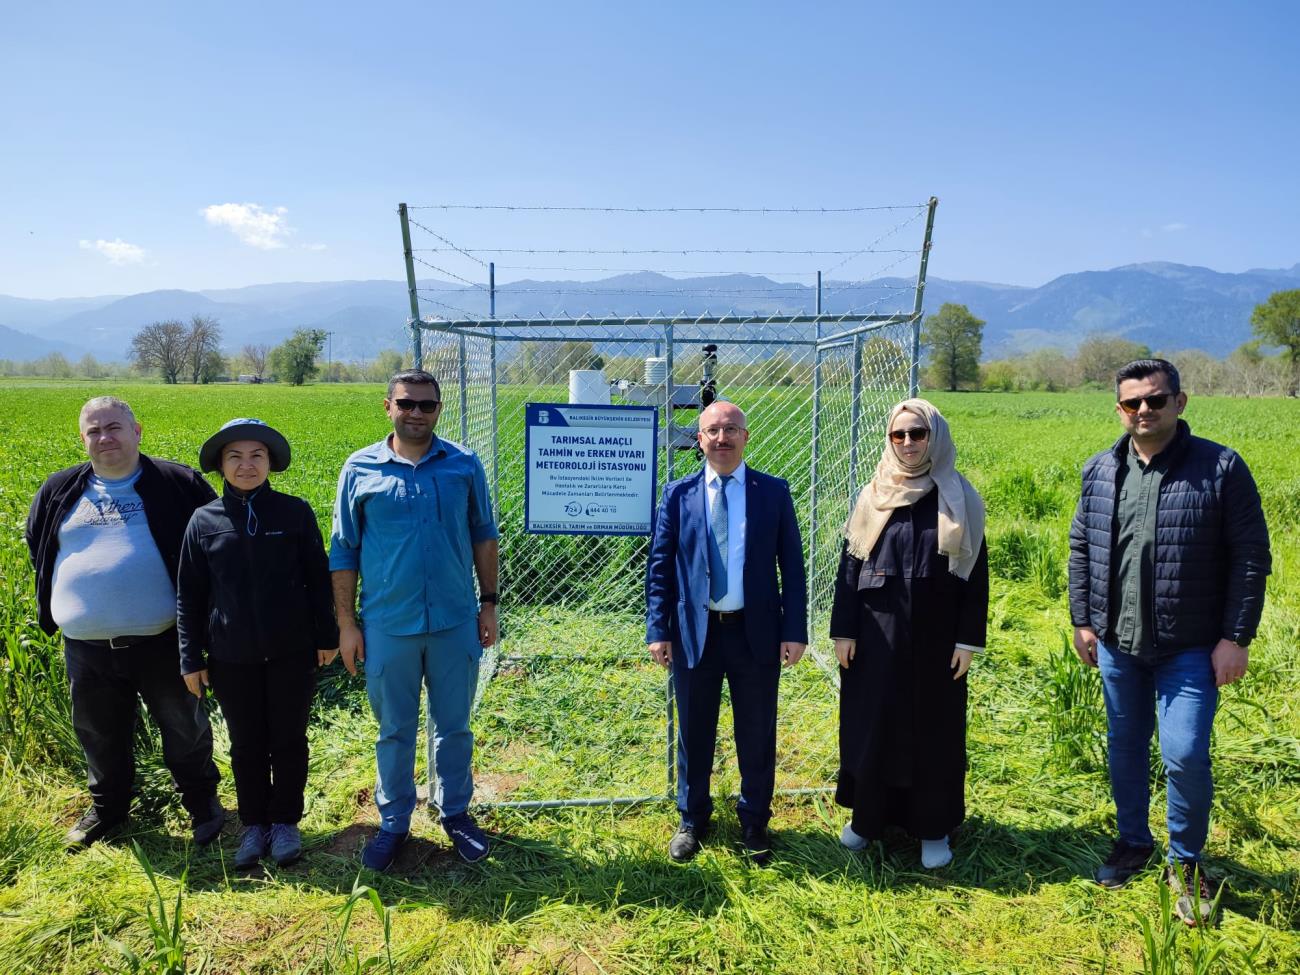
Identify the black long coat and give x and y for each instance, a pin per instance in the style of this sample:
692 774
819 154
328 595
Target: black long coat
902 716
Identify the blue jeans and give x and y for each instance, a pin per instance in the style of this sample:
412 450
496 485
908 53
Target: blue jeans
446 663
1180 689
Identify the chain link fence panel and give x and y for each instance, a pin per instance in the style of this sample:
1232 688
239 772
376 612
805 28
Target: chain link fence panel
571 709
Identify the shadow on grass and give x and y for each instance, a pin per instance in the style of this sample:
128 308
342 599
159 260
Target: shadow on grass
526 873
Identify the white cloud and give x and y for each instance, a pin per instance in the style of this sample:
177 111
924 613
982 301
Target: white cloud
117 250
1173 228
316 247
251 223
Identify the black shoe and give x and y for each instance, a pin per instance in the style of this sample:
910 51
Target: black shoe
207 823
757 844
90 829
685 843
1125 862
1194 905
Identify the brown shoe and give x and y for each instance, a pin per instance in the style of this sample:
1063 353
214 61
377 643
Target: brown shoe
1194 905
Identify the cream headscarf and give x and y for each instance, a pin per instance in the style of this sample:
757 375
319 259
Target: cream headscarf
961 510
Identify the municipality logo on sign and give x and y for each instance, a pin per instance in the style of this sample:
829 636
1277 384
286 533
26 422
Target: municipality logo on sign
543 416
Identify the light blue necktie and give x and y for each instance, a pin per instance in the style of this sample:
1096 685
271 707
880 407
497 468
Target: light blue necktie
718 517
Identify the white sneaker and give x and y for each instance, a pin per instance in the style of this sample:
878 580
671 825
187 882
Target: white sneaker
935 854
851 840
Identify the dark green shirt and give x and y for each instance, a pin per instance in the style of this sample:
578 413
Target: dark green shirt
1133 554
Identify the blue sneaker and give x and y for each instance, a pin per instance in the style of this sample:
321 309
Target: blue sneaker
286 843
470 841
252 847
381 851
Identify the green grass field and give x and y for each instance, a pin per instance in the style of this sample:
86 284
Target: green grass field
576 709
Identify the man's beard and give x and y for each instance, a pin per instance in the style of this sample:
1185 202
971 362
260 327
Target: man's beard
412 436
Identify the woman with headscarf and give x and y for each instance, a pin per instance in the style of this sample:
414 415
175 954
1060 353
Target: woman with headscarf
911 604
255 616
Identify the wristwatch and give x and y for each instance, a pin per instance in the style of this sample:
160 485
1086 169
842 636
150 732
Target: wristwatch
488 597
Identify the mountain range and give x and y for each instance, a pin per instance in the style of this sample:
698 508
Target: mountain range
1166 306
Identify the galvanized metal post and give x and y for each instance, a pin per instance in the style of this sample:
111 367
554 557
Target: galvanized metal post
668 476
816 451
463 376
496 420
920 300
417 346
855 413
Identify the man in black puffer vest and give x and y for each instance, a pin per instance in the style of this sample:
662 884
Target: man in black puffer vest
1168 558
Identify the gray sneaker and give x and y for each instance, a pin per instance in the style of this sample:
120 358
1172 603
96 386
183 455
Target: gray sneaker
286 843
1193 905
91 828
252 847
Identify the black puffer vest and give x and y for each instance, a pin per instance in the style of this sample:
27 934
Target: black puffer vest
1212 552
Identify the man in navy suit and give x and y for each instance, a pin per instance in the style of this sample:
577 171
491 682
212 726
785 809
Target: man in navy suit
715 610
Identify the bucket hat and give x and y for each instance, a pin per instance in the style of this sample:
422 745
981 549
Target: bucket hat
244 428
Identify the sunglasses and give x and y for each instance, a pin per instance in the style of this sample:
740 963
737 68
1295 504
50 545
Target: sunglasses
917 435
1156 402
424 405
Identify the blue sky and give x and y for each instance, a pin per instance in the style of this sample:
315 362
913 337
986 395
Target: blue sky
176 145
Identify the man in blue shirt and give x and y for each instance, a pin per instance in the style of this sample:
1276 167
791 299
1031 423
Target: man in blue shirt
413 519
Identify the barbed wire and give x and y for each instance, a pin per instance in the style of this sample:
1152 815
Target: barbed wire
783 290
471 251
450 274
802 289
647 270
868 249
590 209
874 274
460 312
433 233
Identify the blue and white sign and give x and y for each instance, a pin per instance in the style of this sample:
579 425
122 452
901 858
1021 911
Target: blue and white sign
590 469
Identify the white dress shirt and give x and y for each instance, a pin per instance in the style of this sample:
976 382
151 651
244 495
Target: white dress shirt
735 597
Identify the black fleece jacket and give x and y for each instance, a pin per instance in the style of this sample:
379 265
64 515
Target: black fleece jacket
253 585
170 493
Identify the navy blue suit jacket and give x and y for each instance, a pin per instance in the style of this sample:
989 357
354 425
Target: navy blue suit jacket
677 575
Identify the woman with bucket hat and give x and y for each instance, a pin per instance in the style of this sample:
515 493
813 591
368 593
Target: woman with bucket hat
255 614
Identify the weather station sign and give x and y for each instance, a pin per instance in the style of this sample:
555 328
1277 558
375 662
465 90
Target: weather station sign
590 469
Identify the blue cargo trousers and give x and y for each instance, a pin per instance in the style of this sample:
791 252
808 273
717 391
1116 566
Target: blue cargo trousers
397 667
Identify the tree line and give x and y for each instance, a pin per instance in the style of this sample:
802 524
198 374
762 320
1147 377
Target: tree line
191 352
952 339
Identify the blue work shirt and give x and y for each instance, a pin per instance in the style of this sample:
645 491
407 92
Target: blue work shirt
409 529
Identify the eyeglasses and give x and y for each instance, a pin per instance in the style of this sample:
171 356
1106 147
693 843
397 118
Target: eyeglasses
424 405
917 435
713 433
1154 402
